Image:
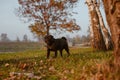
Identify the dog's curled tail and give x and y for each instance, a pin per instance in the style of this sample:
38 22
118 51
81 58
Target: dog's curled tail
64 38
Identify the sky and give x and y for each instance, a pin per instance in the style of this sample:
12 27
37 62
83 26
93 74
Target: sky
14 27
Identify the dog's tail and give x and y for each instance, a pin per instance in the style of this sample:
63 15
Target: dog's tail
64 38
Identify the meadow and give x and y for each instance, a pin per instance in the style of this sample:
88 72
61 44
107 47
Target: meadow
82 64
18 46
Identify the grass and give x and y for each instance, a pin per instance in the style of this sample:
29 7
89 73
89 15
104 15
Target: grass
83 64
18 46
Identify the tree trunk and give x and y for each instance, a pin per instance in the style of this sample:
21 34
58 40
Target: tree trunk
97 37
90 7
48 28
112 10
107 37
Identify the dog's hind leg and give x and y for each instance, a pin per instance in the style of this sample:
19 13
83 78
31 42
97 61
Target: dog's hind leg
67 50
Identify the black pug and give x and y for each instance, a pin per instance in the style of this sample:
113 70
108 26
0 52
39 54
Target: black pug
55 45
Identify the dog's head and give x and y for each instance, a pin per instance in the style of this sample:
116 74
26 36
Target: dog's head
49 39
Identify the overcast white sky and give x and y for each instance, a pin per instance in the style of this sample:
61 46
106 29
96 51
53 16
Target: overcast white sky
11 24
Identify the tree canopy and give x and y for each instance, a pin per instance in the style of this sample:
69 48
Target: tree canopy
48 15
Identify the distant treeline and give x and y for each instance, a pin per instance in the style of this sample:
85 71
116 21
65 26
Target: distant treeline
5 38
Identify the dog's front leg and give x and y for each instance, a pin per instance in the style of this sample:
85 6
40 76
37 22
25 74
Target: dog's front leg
48 53
55 54
61 53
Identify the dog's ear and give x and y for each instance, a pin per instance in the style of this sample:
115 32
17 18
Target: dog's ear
51 37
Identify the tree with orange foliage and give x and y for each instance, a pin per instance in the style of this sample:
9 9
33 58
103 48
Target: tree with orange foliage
47 15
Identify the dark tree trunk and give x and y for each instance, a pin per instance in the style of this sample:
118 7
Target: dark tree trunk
48 30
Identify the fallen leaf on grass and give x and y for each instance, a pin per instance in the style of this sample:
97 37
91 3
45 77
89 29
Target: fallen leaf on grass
72 71
6 65
52 68
30 75
1 74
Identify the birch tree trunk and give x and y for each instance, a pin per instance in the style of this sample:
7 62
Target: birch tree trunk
97 37
112 10
90 8
106 34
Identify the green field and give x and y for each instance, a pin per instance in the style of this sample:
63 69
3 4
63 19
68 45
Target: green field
82 64
18 46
